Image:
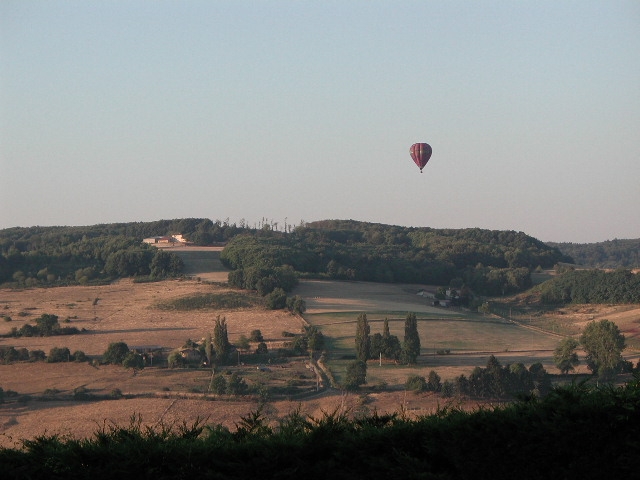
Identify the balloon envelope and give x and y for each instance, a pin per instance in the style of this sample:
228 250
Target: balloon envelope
421 153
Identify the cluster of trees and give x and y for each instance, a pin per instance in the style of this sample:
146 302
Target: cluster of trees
56 354
330 249
47 325
381 344
497 381
610 254
591 286
493 381
270 282
118 353
311 341
489 262
603 343
58 256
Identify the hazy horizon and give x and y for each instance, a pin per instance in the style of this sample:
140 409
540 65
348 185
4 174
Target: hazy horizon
115 112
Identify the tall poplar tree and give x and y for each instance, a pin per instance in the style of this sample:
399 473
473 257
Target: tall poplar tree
221 345
363 342
411 344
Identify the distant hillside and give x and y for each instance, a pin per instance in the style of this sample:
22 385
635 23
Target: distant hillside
591 286
609 254
490 262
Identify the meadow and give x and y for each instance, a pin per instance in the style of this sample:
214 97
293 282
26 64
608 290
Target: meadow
142 314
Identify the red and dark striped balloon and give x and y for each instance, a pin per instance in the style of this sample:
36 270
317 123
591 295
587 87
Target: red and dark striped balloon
421 153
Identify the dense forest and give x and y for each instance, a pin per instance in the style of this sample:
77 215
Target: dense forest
65 255
263 258
591 286
489 262
609 254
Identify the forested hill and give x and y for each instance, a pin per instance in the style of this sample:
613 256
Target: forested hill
610 254
64 255
490 262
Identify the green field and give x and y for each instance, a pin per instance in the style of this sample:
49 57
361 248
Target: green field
469 339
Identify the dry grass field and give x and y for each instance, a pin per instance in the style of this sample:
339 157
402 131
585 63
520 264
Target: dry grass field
127 311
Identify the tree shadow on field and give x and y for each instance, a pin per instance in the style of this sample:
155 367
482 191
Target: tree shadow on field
138 330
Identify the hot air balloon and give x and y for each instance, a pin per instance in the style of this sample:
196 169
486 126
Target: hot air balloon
421 153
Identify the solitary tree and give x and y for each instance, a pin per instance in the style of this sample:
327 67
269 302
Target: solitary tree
133 360
363 342
47 324
208 349
59 354
411 344
603 343
256 336
221 345
115 353
391 347
315 339
356 375
565 356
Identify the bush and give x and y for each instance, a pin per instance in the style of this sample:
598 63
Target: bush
218 385
236 385
79 356
262 349
276 300
37 356
416 383
59 355
243 342
256 336
115 353
81 393
133 360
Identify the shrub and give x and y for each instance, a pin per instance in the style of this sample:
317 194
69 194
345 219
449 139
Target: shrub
416 383
81 393
236 385
79 356
133 360
276 300
218 385
256 336
243 342
37 356
115 353
59 354
262 349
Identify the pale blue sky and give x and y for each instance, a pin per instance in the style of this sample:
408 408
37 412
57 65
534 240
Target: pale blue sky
118 111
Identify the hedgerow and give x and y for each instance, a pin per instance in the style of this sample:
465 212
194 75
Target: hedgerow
580 431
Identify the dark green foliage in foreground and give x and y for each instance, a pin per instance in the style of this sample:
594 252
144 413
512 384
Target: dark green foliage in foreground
575 432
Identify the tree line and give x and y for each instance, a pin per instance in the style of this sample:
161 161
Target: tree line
578 431
488 262
591 286
610 254
64 259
